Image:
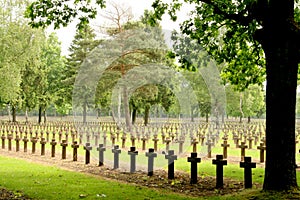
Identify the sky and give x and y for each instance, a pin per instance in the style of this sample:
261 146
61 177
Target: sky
66 34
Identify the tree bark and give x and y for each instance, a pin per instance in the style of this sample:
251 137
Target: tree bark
280 49
134 112
126 108
84 113
192 114
14 114
146 116
26 116
40 115
45 116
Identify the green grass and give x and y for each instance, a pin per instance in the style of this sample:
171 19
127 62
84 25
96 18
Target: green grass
44 182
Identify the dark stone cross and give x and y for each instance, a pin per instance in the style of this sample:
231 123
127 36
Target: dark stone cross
171 157
43 143
64 145
87 149
133 153
9 137
247 165
116 151
17 139
101 150
75 146
25 140
194 171
243 148
151 155
3 141
262 149
225 145
33 141
219 162
53 143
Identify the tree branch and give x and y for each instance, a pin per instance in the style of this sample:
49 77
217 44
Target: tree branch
239 18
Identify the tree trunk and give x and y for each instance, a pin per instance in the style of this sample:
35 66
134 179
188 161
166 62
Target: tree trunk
14 114
8 112
84 106
249 119
146 116
40 115
126 108
45 116
206 117
134 112
26 115
192 114
282 69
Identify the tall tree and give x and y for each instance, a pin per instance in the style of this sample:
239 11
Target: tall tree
246 35
83 44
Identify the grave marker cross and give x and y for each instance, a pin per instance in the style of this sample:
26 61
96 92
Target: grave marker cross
75 146
247 165
101 150
225 145
133 153
219 162
53 143
64 145
43 143
87 149
194 161
151 155
262 148
171 158
116 151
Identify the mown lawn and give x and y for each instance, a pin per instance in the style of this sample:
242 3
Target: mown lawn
46 182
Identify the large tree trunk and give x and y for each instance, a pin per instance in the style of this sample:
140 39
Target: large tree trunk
282 69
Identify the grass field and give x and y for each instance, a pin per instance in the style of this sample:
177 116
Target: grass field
46 182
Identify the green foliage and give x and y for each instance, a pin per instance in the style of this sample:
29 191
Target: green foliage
43 13
226 36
